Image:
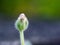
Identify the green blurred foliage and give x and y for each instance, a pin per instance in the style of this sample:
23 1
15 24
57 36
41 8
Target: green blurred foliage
46 9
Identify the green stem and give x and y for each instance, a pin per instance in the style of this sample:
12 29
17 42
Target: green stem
22 37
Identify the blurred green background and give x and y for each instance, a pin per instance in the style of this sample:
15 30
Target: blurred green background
36 9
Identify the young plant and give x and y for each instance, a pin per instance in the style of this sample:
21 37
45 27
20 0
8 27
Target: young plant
21 25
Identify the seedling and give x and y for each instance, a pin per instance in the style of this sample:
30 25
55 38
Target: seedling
21 25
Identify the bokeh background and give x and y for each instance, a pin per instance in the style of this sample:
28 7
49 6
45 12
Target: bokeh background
44 21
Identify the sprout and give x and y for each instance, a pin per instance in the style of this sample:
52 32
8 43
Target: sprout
21 25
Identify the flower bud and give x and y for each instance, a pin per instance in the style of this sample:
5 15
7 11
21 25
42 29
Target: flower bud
21 23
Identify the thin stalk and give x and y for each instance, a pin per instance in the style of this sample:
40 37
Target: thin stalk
22 37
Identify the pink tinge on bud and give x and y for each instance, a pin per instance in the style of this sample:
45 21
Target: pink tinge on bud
21 16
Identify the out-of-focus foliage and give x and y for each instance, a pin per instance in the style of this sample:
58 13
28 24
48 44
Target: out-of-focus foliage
48 8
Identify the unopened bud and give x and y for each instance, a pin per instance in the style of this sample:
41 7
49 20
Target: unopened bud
21 23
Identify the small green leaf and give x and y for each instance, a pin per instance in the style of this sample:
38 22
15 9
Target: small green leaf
20 26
